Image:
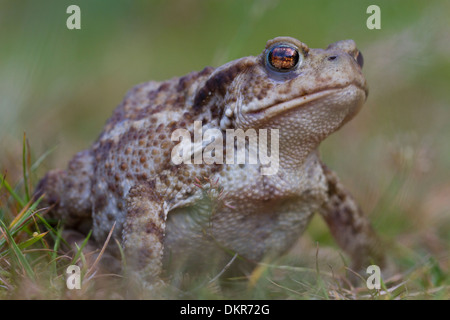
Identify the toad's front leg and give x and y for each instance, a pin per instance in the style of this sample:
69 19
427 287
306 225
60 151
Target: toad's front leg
143 235
350 227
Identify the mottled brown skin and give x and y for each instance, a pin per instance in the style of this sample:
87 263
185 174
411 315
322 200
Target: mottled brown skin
162 217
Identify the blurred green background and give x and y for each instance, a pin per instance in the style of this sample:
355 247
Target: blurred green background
60 86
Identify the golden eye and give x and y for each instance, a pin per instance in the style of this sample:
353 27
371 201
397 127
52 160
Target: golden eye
283 57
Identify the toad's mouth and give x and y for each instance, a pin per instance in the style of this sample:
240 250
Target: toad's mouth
345 95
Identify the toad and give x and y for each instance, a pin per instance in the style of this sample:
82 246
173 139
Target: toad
168 211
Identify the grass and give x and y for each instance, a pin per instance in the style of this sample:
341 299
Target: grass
34 258
33 262
60 86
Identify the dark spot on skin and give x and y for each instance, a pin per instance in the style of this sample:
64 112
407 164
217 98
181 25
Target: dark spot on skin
206 71
151 184
163 178
152 95
216 167
218 83
187 116
186 81
112 187
216 113
148 110
123 166
164 86
160 128
100 202
152 228
261 95
157 109
179 102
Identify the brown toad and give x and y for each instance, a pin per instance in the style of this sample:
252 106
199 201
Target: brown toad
162 214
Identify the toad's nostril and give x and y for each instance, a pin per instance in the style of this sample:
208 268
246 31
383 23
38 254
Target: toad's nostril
360 59
331 58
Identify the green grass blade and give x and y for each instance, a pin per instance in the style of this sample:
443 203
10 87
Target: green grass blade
122 256
320 282
12 192
30 241
38 162
21 220
24 168
77 255
21 259
2 179
54 253
54 231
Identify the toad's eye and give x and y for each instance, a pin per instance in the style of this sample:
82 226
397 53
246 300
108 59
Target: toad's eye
283 57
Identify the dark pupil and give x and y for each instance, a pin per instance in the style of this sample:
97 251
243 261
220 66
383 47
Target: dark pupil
283 57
